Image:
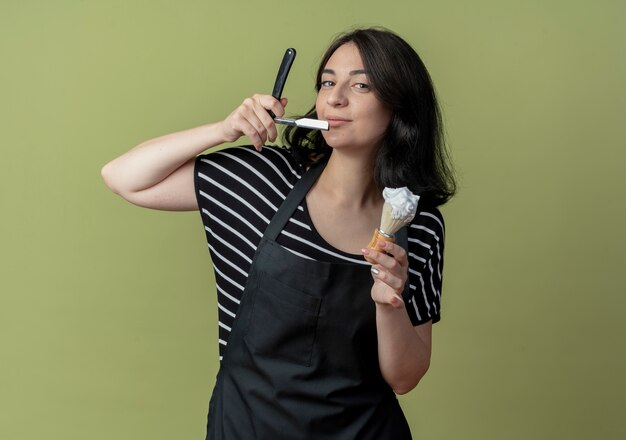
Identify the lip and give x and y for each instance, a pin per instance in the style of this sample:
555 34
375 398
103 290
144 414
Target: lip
337 121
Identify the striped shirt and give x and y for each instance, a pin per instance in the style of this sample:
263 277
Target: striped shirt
239 190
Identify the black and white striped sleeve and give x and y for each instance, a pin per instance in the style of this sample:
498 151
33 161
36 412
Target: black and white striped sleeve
426 244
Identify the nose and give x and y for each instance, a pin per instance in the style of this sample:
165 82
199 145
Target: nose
337 97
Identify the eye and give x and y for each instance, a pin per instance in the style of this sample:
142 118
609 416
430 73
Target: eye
361 86
327 83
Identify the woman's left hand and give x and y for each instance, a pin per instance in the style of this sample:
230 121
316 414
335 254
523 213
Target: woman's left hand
390 273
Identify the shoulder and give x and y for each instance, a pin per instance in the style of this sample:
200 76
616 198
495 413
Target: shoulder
428 221
426 234
270 163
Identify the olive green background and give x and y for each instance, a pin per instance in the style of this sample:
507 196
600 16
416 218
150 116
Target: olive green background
108 323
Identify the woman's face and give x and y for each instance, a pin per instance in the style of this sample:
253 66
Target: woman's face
358 120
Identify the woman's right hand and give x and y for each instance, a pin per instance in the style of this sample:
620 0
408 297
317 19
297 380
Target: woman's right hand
252 119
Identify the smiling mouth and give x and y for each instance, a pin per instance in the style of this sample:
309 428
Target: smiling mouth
335 122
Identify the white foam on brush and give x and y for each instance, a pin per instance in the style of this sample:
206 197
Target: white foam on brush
403 202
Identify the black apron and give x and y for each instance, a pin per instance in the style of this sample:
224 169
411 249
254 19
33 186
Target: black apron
302 357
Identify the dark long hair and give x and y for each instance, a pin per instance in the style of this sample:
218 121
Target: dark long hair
412 152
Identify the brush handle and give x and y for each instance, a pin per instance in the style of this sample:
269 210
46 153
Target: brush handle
373 244
281 77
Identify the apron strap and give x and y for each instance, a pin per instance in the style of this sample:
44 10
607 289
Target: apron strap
298 193
295 196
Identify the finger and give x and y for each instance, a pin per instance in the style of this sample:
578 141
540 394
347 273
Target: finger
394 250
269 126
396 301
384 296
395 282
272 104
250 130
388 262
250 113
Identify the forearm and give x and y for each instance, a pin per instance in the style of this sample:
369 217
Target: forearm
152 161
403 351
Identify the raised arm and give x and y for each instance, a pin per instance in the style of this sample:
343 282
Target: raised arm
158 173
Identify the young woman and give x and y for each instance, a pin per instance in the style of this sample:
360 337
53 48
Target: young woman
314 341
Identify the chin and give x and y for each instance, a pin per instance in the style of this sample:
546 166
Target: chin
333 141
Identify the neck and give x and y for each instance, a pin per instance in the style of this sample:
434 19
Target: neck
348 178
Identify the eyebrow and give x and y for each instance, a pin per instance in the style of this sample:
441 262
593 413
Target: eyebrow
352 72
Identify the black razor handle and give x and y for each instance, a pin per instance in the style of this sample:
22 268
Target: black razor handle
283 71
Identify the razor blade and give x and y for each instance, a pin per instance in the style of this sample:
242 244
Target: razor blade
314 124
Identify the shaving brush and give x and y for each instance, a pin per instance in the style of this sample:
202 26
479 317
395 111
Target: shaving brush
399 209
